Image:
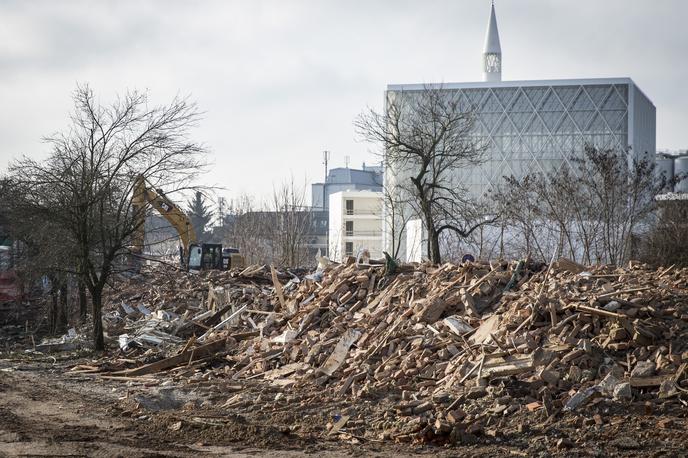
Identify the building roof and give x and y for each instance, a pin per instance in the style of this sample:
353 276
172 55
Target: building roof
492 84
492 45
344 175
518 83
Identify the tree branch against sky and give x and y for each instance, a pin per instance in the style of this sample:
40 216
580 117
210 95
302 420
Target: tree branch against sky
85 185
426 138
267 49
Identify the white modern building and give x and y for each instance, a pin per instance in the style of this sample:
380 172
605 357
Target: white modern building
538 125
355 223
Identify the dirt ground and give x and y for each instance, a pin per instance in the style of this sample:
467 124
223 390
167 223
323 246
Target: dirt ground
45 411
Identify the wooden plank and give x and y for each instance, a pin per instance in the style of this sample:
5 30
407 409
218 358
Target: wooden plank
336 359
641 382
339 425
285 370
208 349
624 291
278 289
223 323
484 332
509 368
515 365
596 311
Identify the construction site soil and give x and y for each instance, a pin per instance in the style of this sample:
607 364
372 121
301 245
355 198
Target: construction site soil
506 359
45 412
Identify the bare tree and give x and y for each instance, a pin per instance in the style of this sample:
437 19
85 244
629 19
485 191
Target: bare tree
622 193
397 213
292 224
427 136
666 241
85 186
245 223
590 210
41 251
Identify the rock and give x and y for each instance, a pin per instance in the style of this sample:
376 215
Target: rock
456 416
533 406
476 392
608 384
623 392
612 306
643 369
424 407
475 428
564 443
581 397
549 377
665 423
618 334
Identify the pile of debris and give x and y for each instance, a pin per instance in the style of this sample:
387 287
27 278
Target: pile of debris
164 307
451 350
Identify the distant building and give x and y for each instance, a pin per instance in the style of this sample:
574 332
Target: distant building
346 179
537 126
673 165
316 239
355 223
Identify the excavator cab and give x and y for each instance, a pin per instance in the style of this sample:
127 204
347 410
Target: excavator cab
206 256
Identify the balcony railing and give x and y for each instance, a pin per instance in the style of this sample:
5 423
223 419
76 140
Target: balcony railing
363 233
355 212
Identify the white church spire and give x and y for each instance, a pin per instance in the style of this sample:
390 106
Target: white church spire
492 54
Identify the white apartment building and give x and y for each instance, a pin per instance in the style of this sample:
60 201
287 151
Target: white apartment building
355 223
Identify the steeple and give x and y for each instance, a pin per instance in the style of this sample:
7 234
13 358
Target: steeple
492 54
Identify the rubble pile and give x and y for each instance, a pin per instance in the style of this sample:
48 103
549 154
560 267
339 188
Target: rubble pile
447 352
167 306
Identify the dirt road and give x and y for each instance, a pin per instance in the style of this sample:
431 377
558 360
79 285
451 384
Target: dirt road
44 412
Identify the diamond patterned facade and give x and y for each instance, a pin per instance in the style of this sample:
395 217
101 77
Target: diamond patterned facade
536 126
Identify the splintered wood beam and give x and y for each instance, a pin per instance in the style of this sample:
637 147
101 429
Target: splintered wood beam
185 357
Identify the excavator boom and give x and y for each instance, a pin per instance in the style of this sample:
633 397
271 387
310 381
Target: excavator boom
143 195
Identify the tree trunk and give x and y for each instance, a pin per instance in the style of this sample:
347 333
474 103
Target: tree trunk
433 244
83 301
63 312
52 318
97 299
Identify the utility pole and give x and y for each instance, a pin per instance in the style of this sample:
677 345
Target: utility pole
326 158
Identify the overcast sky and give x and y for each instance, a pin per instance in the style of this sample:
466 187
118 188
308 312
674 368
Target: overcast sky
281 81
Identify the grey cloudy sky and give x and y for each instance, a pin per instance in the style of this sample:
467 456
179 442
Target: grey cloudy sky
280 81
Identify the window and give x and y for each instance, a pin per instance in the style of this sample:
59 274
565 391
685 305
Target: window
349 248
195 258
349 207
349 228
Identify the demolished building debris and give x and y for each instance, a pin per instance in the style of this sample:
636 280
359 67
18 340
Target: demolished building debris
446 352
